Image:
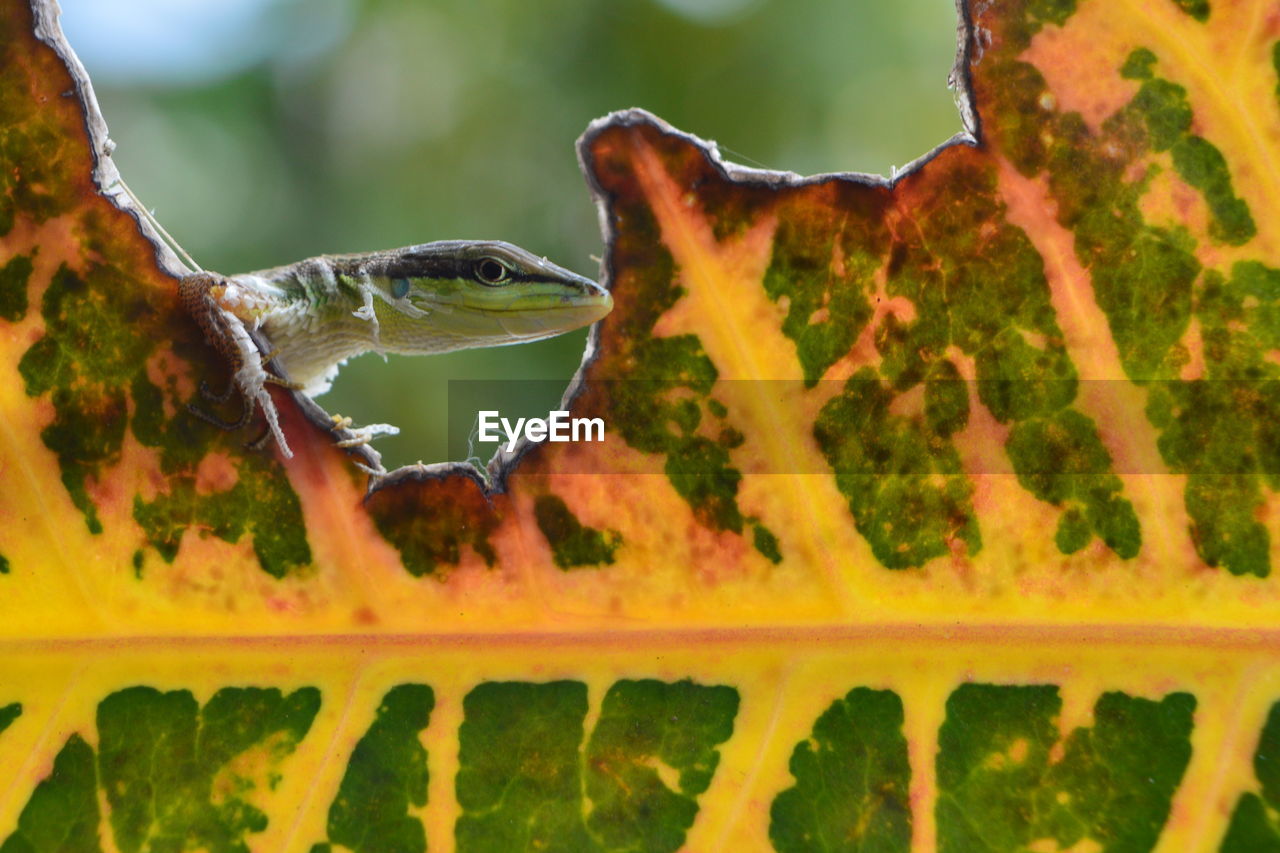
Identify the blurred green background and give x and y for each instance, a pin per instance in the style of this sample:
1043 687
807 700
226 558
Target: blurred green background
264 131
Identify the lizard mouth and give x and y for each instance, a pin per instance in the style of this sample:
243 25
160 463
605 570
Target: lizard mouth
498 317
540 316
585 297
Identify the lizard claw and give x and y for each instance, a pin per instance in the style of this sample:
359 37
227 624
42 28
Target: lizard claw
360 435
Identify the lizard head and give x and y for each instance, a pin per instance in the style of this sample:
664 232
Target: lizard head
483 294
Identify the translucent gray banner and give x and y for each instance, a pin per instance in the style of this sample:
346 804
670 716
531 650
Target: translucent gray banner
869 427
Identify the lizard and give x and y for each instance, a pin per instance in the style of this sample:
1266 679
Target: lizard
429 298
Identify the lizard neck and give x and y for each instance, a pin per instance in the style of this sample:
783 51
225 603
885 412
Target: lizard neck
306 314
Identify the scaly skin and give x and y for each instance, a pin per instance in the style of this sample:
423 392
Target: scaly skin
430 298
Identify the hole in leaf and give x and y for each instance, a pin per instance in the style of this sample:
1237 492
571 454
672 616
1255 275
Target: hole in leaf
338 127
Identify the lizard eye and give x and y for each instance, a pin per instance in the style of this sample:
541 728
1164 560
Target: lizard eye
399 288
492 271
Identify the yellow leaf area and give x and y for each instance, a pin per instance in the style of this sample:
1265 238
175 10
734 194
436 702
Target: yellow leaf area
930 512
791 683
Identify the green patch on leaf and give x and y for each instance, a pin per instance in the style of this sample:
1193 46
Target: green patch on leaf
1256 279
519 783
654 413
62 814
101 330
1051 11
958 262
183 440
43 138
766 543
946 400
661 365
1074 531
1142 280
523 781
1275 63
1006 780
4 565
699 471
1018 380
1198 9
1225 530
976 283
13 288
1255 822
1061 460
86 357
1139 65
573 544
385 778
643 725
1220 430
1253 827
178 776
906 490
852 781
9 713
1162 105
261 504
1167 115
1142 274
1202 166
431 521
820 269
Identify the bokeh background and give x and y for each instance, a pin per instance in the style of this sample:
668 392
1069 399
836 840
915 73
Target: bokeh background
264 131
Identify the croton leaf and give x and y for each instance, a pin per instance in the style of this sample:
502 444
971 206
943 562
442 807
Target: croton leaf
935 512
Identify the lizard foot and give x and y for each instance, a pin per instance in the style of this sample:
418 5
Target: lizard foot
361 435
228 334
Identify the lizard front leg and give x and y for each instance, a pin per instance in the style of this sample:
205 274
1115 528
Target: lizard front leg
200 294
367 311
